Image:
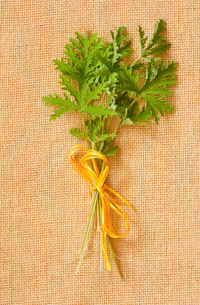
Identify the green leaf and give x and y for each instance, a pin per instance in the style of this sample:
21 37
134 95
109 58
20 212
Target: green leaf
62 105
135 115
61 66
91 94
58 101
142 117
158 43
143 38
121 44
98 111
95 128
111 151
105 136
57 113
129 81
157 87
75 132
67 85
153 94
160 75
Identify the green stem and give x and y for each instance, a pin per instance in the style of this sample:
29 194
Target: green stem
95 216
135 61
98 216
84 126
114 257
108 124
85 240
135 99
119 125
122 120
83 120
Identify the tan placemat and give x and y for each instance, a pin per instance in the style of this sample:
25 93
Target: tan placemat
44 203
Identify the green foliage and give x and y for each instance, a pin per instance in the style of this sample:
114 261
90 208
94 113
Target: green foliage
75 132
156 89
99 111
129 81
153 94
98 83
157 44
120 45
62 105
111 152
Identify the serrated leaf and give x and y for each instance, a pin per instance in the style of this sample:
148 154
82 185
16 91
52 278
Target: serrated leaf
161 105
111 151
157 44
62 105
105 136
95 128
75 132
68 86
57 113
57 100
61 65
92 94
128 79
157 37
159 79
98 111
143 38
143 117
121 44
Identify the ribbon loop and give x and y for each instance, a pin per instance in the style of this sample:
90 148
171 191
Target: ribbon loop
110 199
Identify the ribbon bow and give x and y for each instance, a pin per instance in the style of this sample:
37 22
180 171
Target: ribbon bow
88 169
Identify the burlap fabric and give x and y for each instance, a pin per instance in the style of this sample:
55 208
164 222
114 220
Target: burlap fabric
45 204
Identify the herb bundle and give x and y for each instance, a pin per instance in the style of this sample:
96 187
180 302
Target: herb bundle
98 83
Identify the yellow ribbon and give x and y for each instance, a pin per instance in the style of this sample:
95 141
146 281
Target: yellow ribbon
107 195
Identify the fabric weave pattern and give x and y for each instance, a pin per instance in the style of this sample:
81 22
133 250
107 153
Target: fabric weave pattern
45 204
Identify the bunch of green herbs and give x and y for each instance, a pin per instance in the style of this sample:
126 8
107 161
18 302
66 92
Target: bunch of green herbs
99 83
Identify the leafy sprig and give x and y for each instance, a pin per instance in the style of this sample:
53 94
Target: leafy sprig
100 85
157 44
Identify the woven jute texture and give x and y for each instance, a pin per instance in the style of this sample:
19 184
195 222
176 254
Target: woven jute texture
45 203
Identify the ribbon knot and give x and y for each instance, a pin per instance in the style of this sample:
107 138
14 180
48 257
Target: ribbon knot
97 188
110 199
99 181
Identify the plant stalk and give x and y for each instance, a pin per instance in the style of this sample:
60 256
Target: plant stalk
95 195
114 257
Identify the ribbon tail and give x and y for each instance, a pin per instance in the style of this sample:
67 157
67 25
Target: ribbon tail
123 200
104 233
